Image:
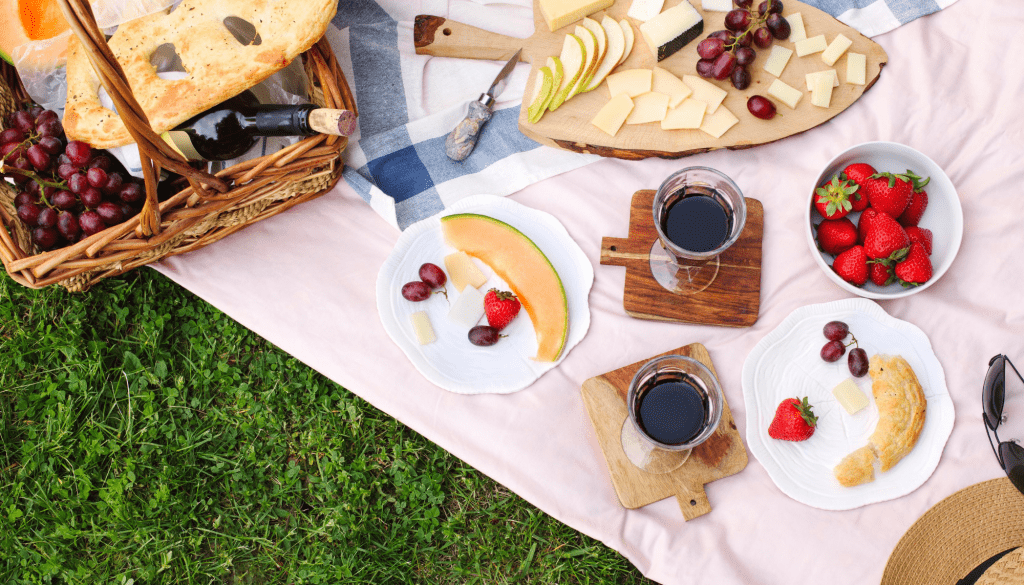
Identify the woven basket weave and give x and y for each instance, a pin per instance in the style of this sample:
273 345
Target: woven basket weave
208 209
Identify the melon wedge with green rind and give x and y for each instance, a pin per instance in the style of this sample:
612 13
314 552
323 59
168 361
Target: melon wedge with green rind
23 21
524 267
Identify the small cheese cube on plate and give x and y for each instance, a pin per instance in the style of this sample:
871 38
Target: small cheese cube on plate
797 32
462 271
468 308
671 30
705 91
667 83
718 123
648 107
850 396
821 96
421 327
809 46
836 49
777 60
613 114
856 68
631 82
785 93
812 77
686 116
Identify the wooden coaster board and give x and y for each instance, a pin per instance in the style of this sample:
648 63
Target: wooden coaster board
732 300
722 455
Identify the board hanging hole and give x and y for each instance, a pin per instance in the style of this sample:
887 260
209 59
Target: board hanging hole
244 31
612 249
446 32
693 502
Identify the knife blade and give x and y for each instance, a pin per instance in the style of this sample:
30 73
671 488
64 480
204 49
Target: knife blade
462 140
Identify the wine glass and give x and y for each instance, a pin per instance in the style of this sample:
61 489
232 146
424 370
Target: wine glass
675 403
698 213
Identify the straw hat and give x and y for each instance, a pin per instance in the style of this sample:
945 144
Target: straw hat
960 533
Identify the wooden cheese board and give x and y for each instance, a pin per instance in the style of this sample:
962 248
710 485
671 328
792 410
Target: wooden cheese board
722 455
569 126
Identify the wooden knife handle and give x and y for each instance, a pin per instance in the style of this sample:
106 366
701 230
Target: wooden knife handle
440 37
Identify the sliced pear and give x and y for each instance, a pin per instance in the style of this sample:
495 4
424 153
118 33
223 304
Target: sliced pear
616 46
627 32
541 93
555 65
574 59
602 47
590 47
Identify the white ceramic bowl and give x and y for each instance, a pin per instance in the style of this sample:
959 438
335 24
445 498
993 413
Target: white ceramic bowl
943 216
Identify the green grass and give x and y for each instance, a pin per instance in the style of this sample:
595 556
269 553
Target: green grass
146 437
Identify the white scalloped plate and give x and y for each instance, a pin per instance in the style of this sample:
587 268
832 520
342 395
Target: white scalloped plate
787 363
452 362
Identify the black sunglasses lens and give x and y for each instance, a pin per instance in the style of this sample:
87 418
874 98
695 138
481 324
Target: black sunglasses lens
992 393
1012 455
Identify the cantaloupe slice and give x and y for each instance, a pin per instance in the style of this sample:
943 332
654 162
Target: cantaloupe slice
22 21
524 267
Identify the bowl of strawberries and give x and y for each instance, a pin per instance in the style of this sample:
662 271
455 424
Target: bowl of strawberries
885 221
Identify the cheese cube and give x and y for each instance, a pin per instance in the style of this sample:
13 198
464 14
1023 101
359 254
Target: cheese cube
468 308
812 45
644 10
836 49
558 13
671 30
777 60
686 116
822 94
786 94
797 32
631 82
462 271
812 77
856 68
718 123
716 5
421 327
667 83
705 91
648 107
613 114
850 396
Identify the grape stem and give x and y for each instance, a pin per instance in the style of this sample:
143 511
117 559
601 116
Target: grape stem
4 169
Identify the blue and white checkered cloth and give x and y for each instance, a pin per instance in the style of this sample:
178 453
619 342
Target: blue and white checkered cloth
408 103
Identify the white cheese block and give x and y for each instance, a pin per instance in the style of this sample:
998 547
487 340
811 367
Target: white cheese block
667 83
836 49
718 123
850 396
786 94
688 115
558 13
705 91
821 96
468 308
628 36
856 68
812 77
809 46
716 5
648 107
644 10
421 327
777 59
671 30
462 271
797 32
631 82
613 114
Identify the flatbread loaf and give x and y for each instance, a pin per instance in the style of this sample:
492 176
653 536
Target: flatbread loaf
901 412
218 66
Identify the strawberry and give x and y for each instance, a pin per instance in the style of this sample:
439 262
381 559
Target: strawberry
836 236
885 239
833 199
881 273
922 236
889 193
916 268
858 172
852 266
500 307
864 224
794 420
911 216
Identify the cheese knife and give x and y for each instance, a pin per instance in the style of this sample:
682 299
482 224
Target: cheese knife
462 140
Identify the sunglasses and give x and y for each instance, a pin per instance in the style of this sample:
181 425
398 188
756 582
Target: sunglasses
993 395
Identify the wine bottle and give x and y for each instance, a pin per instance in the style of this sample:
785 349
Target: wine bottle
231 128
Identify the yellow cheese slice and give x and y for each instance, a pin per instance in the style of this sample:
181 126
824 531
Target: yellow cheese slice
821 96
631 82
785 93
856 68
797 32
558 13
613 114
850 396
705 91
809 46
836 49
648 107
718 123
462 271
777 59
686 116
667 83
812 77
421 327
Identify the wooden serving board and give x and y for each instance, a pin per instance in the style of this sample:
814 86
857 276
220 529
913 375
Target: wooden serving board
722 455
733 299
569 126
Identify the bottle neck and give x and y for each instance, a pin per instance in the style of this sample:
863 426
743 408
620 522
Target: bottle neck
276 120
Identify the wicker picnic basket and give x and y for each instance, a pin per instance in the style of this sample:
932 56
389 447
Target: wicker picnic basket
209 208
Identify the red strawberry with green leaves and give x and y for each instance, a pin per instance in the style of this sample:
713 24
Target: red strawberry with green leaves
500 307
858 172
890 193
794 420
833 199
922 236
864 223
836 236
852 266
881 273
916 268
886 238
911 216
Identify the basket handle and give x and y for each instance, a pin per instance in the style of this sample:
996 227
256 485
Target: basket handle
153 151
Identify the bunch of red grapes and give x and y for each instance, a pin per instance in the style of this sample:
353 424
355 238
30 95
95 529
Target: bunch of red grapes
726 53
68 190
